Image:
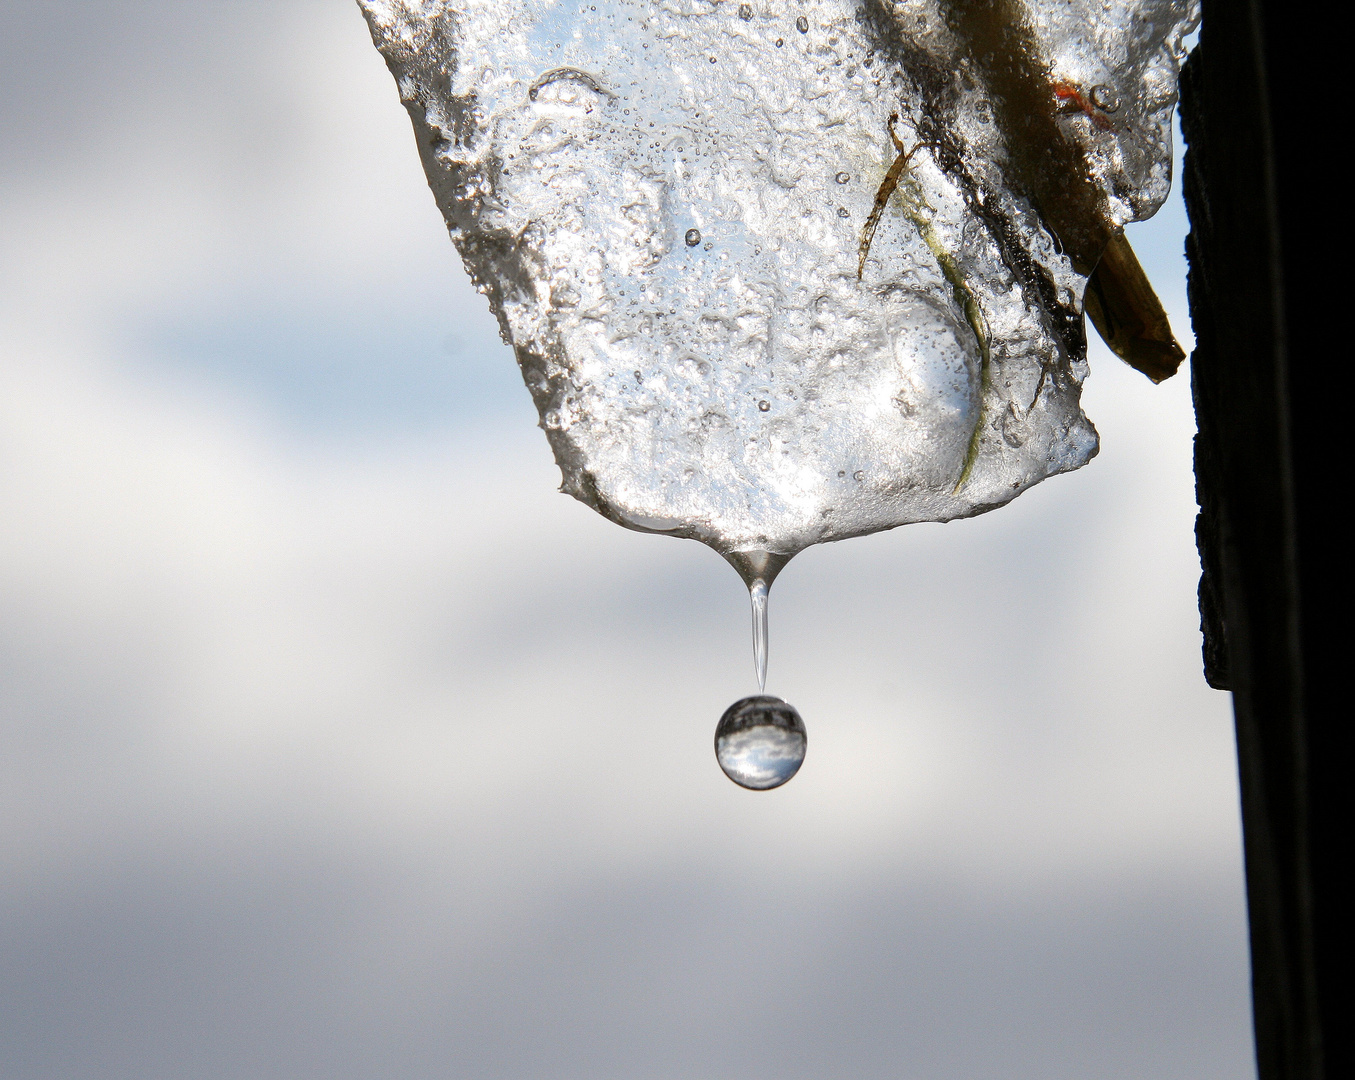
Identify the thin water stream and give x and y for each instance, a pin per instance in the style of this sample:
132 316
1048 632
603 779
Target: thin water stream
760 741
757 593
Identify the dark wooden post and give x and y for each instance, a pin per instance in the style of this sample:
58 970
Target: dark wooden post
1269 281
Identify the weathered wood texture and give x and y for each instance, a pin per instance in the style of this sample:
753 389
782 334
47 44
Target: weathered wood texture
1267 253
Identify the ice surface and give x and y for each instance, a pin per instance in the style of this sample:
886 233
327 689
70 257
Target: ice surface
665 203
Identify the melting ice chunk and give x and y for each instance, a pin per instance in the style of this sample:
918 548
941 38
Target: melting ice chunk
674 209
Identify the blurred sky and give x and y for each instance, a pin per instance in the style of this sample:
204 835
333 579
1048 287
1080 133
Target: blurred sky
335 743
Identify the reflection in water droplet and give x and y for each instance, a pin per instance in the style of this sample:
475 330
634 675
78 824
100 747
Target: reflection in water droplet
802 25
760 742
693 237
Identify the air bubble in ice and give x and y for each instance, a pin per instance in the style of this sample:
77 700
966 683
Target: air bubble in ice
1105 98
760 742
693 237
570 82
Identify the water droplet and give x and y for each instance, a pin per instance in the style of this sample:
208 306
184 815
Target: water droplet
779 43
858 475
1105 98
802 25
760 742
745 12
693 237
763 406
842 212
843 178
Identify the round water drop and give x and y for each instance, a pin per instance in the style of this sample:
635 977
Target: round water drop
760 742
843 178
802 25
693 237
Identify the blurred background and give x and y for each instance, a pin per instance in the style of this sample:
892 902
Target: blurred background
335 743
